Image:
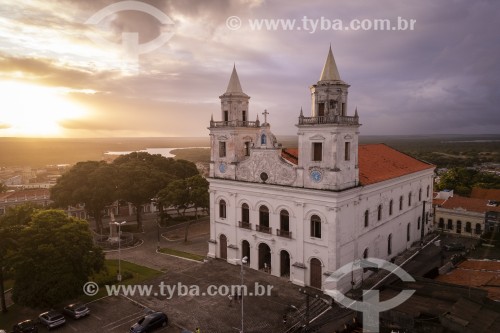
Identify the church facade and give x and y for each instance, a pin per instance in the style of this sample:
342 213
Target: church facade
303 213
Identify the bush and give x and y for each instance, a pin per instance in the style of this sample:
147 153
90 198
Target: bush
109 279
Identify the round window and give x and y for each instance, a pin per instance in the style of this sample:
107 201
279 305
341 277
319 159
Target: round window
264 176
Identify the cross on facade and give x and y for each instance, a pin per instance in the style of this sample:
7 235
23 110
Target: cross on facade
265 113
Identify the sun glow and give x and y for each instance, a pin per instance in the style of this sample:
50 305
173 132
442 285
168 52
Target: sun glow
31 110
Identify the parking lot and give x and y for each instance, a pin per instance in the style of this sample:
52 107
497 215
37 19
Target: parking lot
110 314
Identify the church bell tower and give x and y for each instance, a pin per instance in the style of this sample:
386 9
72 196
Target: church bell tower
328 139
233 136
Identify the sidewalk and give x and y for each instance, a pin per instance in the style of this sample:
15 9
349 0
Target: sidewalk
146 254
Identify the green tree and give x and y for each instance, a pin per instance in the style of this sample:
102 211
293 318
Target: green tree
184 193
142 176
138 183
14 219
18 215
9 245
199 196
462 180
55 257
176 195
90 183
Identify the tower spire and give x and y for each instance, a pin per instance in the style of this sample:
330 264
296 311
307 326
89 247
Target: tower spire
234 85
330 71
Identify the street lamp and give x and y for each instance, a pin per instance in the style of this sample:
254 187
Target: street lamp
244 261
119 224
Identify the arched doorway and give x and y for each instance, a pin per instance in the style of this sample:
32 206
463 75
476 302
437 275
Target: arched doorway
315 273
223 247
284 264
264 257
245 251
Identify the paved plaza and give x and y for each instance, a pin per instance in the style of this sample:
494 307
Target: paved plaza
210 313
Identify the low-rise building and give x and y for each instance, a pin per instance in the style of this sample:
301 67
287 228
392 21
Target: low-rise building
464 216
39 196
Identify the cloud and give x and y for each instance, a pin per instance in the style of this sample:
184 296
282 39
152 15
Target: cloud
48 72
4 126
441 78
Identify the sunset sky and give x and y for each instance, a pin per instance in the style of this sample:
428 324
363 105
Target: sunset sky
58 80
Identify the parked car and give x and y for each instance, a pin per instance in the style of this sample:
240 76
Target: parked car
150 322
52 319
27 326
76 310
454 247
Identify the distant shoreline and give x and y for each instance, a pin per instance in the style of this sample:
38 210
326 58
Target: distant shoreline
165 152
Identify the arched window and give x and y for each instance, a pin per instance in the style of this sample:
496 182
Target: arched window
391 203
409 199
284 220
478 229
428 190
263 139
468 227
379 213
245 213
408 232
401 203
441 223
264 216
367 214
365 253
418 223
222 209
459 227
389 245
450 224
420 195
315 226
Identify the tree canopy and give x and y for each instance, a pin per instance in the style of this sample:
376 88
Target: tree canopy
137 178
141 176
462 180
54 259
14 219
91 183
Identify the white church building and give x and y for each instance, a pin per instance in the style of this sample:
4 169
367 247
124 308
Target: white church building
302 213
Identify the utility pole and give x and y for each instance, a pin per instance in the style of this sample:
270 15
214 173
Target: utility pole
308 295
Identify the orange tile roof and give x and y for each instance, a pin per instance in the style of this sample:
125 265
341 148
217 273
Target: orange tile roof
474 273
377 163
27 193
291 155
469 204
484 193
438 202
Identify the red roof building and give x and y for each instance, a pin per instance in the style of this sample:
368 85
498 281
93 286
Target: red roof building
377 163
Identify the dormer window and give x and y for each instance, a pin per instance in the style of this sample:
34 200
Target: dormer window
263 139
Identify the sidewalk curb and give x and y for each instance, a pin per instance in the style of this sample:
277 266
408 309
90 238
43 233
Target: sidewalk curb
172 255
125 248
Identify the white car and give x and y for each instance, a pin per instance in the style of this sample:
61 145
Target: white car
52 319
